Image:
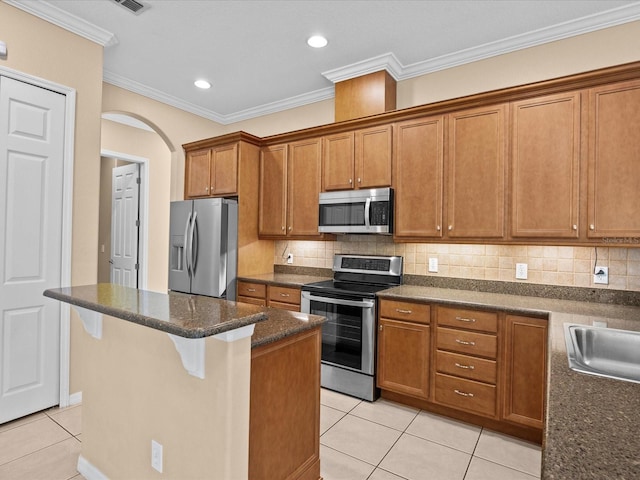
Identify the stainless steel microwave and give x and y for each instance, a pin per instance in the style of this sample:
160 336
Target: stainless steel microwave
357 211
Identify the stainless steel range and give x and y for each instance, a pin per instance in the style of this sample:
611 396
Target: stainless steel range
349 335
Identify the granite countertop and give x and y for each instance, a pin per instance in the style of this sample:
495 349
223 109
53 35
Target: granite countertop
189 316
285 279
281 324
591 429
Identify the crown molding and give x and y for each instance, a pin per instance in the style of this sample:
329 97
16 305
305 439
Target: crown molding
53 14
273 107
387 61
390 63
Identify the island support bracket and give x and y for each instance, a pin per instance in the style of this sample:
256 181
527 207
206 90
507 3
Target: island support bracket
91 320
192 350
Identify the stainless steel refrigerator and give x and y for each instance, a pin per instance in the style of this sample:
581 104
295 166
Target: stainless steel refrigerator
203 247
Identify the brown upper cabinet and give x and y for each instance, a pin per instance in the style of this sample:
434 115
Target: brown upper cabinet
360 159
418 174
614 161
212 172
289 189
475 162
545 155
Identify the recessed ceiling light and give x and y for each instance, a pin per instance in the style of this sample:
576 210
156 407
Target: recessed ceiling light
317 41
202 84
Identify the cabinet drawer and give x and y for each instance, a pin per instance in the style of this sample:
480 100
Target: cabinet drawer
253 301
463 341
284 306
248 289
411 312
466 366
284 295
466 395
468 319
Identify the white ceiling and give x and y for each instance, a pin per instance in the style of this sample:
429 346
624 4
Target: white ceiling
255 53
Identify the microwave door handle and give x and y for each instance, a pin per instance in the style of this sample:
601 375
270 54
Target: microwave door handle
339 301
367 212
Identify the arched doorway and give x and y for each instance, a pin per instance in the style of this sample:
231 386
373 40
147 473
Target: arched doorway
128 139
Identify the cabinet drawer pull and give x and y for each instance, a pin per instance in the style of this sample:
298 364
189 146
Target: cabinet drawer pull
466 367
251 289
285 295
406 312
464 342
463 394
467 320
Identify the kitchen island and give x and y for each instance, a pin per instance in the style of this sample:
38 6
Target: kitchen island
184 372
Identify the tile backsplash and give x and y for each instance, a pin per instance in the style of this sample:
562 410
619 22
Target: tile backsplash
549 265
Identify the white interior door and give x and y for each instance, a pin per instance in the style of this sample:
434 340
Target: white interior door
32 125
125 223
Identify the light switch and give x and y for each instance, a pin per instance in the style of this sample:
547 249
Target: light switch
433 265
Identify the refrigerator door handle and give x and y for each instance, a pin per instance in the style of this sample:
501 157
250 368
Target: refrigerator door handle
187 254
193 251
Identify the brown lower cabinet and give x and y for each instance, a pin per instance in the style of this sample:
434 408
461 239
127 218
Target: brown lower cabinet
284 428
286 298
482 367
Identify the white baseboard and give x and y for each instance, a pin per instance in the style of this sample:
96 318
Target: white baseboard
89 471
75 398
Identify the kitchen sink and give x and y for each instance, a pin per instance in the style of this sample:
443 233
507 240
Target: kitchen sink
605 352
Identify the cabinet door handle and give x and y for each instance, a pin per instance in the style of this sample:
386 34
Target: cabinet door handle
359 181
290 228
467 320
592 227
463 394
406 312
575 227
285 295
464 342
450 227
350 181
251 289
466 367
380 328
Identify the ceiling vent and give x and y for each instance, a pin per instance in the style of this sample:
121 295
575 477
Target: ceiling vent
133 6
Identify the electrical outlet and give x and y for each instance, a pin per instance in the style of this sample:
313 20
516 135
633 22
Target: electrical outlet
433 265
156 455
290 258
521 271
601 275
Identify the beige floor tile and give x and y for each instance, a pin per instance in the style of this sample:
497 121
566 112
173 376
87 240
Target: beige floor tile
359 438
69 418
445 431
510 452
56 462
387 413
329 417
338 466
336 400
379 474
29 438
480 469
417 459
21 421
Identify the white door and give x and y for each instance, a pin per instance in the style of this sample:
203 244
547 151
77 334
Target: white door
31 186
125 223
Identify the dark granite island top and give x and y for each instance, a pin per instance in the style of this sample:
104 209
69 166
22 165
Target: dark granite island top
189 316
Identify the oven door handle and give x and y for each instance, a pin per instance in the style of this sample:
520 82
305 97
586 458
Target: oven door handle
339 301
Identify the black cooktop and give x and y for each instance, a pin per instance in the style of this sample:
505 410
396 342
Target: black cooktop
333 286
